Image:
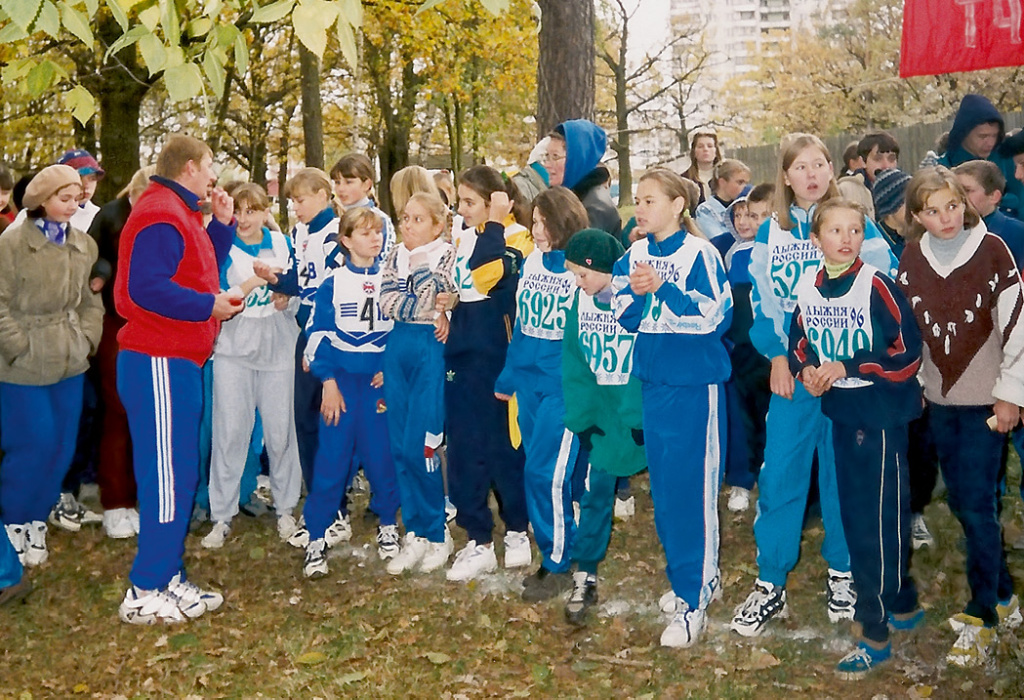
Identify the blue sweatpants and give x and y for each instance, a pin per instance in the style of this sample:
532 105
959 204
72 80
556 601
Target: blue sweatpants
163 398
684 438
38 427
480 453
550 452
873 482
307 413
359 439
10 567
414 390
795 429
969 456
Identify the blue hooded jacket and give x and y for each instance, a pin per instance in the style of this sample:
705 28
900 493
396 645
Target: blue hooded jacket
585 144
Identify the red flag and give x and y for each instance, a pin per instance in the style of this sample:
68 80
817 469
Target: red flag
947 36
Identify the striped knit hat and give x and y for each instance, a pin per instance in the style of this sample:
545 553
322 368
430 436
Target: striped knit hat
889 191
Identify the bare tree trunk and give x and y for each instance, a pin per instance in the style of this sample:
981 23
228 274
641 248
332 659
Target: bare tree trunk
565 71
312 111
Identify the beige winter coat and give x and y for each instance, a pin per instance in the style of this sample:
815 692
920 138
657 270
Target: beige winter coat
50 321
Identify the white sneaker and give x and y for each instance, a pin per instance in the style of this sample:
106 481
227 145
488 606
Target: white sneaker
339 531
35 543
518 552
189 594
315 565
411 554
388 545
472 561
437 554
263 492
450 511
669 601
19 540
686 627
299 538
133 515
142 607
765 602
216 538
286 526
920 536
65 514
625 508
117 523
842 598
739 499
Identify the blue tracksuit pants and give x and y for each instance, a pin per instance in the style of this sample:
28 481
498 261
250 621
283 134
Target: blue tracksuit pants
307 413
480 453
550 452
414 390
10 567
795 429
684 438
38 427
873 482
969 456
359 438
163 398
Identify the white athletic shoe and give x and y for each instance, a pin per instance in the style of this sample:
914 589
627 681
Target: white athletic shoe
133 515
191 596
315 565
625 508
117 523
437 554
450 511
35 543
669 601
472 561
388 541
518 552
686 627
286 526
216 538
65 513
413 549
739 499
299 538
842 598
142 607
18 536
339 531
920 536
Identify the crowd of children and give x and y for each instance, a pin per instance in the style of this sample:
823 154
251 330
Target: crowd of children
861 332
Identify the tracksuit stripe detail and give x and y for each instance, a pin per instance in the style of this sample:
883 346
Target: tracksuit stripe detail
881 530
712 465
164 452
557 486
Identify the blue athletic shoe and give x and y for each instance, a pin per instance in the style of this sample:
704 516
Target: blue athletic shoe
858 662
905 622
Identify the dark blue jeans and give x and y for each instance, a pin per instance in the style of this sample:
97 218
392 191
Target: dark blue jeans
970 455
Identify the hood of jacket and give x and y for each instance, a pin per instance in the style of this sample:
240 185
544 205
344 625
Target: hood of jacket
585 144
974 110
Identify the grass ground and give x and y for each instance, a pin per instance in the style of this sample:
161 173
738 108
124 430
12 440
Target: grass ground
362 633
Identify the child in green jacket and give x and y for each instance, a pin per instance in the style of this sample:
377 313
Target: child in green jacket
602 404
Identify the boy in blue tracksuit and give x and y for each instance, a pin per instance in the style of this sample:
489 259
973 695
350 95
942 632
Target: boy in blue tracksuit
672 290
533 373
347 334
854 341
316 254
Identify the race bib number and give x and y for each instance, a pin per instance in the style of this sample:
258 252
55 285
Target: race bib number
789 263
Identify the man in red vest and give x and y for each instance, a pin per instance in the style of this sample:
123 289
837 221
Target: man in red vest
168 291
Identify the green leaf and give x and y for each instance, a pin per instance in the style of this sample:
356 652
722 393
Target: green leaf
48 20
312 19
150 17
216 74
153 53
76 23
350 678
15 71
241 53
256 553
429 4
200 26
12 33
40 78
436 657
311 658
351 10
169 21
91 6
21 12
81 103
495 7
183 82
347 40
126 40
119 15
273 12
